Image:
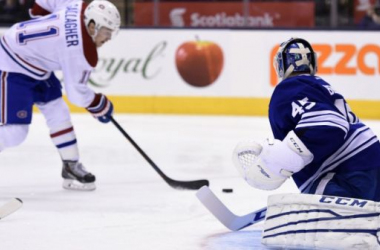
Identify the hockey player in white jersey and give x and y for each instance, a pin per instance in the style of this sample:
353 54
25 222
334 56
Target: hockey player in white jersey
63 35
328 152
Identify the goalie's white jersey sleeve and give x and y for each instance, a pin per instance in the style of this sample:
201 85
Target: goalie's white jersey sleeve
58 41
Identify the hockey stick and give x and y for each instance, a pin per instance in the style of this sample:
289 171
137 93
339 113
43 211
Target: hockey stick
224 215
10 207
194 185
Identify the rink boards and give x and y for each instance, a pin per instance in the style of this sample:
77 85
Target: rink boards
227 72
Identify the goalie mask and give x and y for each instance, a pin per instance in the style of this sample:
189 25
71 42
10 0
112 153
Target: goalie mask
103 14
295 56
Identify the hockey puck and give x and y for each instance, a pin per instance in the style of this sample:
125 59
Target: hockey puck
227 190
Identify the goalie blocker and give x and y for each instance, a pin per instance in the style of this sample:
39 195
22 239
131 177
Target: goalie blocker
317 221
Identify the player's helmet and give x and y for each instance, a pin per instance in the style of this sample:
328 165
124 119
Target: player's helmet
103 14
295 56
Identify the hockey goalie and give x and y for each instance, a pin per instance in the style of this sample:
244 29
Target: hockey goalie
333 158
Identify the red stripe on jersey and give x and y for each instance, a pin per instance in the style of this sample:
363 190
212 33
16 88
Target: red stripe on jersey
37 10
89 47
30 65
62 132
21 59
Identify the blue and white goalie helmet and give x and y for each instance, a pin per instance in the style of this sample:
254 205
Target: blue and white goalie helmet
295 56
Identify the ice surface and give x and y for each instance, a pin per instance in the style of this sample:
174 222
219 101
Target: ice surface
132 208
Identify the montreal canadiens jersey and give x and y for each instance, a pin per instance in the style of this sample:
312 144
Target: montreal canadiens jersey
325 123
56 40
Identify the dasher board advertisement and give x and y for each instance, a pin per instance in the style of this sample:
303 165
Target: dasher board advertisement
199 71
234 63
226 14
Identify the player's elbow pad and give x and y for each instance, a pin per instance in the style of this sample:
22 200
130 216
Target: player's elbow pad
267 166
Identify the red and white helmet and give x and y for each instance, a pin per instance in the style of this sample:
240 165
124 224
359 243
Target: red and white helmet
103 14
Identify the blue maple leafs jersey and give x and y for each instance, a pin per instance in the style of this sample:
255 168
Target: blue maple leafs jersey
326 125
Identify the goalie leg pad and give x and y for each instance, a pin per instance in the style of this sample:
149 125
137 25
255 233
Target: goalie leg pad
317 221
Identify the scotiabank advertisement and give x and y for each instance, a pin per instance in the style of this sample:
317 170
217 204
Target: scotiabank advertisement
226 14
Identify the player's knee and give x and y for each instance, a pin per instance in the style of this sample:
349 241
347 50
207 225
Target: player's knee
12 135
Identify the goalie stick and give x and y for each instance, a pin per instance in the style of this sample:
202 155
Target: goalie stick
194 185
10 207
224 215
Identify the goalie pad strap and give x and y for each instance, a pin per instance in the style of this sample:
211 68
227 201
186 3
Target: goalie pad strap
316 221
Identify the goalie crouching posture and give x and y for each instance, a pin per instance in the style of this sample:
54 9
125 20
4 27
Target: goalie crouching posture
333 158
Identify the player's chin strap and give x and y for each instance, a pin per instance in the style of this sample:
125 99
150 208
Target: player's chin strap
95 32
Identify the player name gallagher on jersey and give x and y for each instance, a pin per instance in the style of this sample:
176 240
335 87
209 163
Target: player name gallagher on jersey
71 26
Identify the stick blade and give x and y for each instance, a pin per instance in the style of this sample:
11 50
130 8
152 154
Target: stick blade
217 208
224 215
10 207
191 185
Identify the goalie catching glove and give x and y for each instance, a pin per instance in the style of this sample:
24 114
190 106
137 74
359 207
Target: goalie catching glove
267 165
101 108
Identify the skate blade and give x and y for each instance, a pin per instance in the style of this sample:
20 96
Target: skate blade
78 186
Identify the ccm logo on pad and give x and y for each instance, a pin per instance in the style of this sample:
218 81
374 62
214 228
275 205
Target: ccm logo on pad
343 201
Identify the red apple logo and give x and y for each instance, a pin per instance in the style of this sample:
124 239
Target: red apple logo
199 62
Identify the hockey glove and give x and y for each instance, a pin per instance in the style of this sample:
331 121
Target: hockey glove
267 165
101 108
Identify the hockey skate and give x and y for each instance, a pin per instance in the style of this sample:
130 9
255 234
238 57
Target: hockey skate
76 177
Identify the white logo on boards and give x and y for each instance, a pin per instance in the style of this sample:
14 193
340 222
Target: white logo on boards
176 17
221 19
